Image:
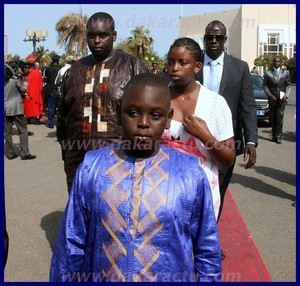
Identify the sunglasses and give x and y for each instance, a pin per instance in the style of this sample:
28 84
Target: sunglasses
210 37
276 61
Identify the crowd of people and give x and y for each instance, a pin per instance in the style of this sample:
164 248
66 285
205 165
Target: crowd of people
15 97
133 141
30 94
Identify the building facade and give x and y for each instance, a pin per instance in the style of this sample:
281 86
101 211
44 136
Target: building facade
253 30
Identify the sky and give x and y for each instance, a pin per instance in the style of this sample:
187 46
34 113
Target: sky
160 19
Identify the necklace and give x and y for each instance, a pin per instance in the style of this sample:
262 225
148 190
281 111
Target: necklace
183 97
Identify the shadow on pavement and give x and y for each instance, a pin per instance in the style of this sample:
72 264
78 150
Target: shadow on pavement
289 136
278 175
50 224
260 186
51 134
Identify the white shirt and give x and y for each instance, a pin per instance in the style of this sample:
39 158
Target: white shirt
214 110
61 73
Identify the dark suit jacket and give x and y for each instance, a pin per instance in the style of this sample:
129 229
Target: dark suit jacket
273 86
236 88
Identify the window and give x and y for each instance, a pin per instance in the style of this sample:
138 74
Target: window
273 46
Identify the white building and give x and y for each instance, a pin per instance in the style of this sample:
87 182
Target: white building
253 30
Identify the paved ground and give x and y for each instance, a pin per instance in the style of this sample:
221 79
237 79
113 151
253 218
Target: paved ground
36 194
264 195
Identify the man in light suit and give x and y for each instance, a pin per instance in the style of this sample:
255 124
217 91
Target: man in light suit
277 86
231 78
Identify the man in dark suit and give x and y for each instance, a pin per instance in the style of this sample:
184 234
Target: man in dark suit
49 75
231 78
277 86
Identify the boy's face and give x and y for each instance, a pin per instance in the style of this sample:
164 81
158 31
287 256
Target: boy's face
145 113
100 38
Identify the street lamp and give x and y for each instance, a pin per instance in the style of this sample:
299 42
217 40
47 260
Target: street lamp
35 36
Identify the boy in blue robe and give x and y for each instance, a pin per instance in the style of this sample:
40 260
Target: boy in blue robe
139 211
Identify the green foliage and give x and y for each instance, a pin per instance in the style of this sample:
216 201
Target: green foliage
291 66
123 45
266 61
11 58
140 45
291 63
140 41
42 56
152 56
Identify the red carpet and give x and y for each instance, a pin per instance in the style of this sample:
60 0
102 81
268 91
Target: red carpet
243 262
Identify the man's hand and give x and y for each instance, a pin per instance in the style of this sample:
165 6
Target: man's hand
250 155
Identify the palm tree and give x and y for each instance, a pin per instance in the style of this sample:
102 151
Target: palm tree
72 34
11 58
140 41
41 55
124 46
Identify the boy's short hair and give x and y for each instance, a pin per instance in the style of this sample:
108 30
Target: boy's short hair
148 79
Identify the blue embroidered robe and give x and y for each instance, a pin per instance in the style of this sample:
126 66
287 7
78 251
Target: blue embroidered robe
132 219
